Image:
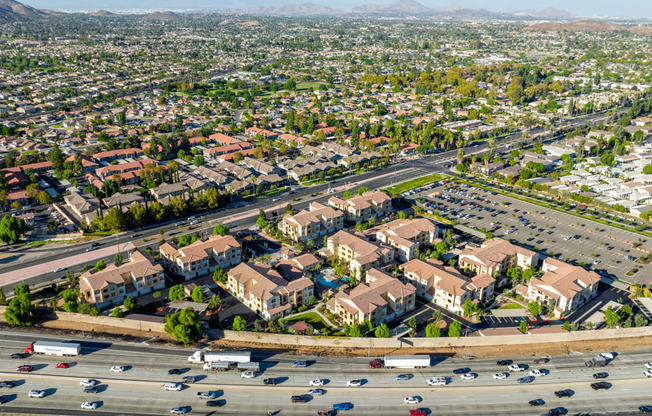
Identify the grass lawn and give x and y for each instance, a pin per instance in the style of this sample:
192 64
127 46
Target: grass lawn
306 85
512 306
415 183
316 322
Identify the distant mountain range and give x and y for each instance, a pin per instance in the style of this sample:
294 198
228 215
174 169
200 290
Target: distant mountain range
588 26
11 11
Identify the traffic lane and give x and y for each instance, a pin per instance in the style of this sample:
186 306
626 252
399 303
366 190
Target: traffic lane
144 398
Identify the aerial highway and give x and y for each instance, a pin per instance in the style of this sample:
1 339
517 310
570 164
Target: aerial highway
139 389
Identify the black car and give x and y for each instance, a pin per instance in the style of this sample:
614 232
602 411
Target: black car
461 370
542 360
557 411
602 385
536 402
504 362
174 371
3 399
526 379
93 389
563 393
270 381
214 403
18 356
7 384
600 375
645 409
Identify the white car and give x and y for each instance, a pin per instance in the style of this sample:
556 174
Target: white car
206 395
89 383
648 373
354 383
172 387
248 374
317 392
500 376
607 355
436 381
117 369
36 393
179 410
648 366
89 405
468 376
411 400
316 383
536 373
516 367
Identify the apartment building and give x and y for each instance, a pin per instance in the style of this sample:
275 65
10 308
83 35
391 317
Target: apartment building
359 253
113 284
406 236
380 298
318 220
362 207
201 257
566 286
111 155
445 285
495 256
264 291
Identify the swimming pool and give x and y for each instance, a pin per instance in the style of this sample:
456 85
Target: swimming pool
327 282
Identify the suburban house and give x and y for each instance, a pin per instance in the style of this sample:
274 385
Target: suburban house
359 253
496 256
380 298
111 155
318 220
264 291
445 285
201 257
166 192
568 287
362 207
140 275
405 236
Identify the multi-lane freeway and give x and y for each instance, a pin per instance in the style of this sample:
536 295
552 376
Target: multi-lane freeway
139 390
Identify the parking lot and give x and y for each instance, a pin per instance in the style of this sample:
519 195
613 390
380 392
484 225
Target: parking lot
603 248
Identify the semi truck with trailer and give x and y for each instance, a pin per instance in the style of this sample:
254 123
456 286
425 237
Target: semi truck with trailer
54 348
401 361
235 357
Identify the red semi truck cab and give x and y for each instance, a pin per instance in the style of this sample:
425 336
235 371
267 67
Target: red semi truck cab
30 348
377 363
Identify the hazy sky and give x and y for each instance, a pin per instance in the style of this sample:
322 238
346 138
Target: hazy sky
636 8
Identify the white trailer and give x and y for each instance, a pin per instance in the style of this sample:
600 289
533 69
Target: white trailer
54 348
217 366
249 367
220 356
407 361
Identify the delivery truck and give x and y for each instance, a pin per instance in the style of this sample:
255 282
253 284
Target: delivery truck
401 361
54 348
597 361
199 357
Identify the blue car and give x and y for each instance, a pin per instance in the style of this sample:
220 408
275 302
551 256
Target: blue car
342 406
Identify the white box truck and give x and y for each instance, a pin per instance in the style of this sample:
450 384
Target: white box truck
54 348
199 357
407 361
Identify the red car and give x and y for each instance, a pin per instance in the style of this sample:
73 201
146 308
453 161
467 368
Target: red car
25 368
62 365
417 413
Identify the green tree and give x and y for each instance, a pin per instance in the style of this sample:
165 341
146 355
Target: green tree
198 161
535 308
214 302
94 311
522 327
220 229
56 157
433 330
184 326
100 265
455 329
412 322
220 275
347 194
3 298
611 318
401 215
261 222
11 229
131 303
640 320
19 311
177 293
362 190
117 313
239 324
469 307
157 294
566 326
382 331
197 294
117 259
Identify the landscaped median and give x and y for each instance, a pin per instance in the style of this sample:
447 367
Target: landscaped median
414 183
